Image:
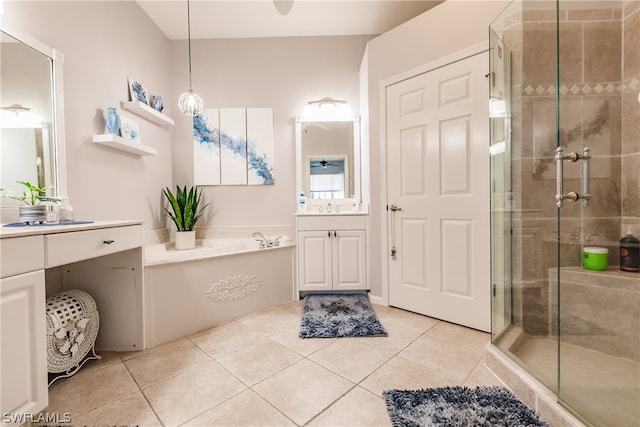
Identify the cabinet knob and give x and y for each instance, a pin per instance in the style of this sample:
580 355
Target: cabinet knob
329 233
335 233
108 242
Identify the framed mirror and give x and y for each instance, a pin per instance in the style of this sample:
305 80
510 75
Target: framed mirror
31 131
328 160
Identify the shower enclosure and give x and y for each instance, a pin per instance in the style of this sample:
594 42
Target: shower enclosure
565 174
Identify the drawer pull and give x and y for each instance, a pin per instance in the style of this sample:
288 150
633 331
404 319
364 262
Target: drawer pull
108 242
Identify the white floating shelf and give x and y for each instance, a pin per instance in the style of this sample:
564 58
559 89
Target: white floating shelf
143 110
120 143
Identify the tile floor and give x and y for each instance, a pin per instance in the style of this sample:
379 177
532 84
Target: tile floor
256 372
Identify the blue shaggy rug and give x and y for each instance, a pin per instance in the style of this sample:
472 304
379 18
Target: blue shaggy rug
459 406
339 315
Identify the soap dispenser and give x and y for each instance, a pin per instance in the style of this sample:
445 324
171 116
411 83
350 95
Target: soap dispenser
302 203
630 253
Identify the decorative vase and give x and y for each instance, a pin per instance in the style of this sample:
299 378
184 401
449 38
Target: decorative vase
30 214
185 239
113 121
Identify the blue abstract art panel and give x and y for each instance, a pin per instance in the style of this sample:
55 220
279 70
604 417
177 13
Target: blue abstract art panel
206 147
260 146
233 146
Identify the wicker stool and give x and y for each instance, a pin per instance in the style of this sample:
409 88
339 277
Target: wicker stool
72 327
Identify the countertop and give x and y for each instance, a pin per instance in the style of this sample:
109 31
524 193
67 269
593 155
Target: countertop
34 230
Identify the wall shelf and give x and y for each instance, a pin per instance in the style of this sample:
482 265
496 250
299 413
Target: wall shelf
143 110
120 143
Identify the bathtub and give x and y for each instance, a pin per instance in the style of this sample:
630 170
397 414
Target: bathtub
222 279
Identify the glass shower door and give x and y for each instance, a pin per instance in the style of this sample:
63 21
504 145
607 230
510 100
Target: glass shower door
598 311
525 245
565 175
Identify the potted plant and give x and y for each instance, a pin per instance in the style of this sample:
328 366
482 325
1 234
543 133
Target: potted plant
32 211
185 213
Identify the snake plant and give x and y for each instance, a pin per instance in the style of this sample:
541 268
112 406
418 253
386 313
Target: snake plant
185 207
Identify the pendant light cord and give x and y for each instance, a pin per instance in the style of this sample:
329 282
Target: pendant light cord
189 40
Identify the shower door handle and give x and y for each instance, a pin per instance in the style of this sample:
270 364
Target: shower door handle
586 194
572 157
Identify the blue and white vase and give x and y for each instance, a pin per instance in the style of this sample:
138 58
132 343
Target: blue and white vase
113 121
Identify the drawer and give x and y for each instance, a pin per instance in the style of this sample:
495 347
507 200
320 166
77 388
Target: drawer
65 248
21 255
355 222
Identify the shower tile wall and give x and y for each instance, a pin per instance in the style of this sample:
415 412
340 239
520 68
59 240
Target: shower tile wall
631 117
599 84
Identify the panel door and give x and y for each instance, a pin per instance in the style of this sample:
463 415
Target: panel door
438 175
314 261
24 339
349 260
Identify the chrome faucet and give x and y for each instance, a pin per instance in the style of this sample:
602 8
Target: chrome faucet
266 242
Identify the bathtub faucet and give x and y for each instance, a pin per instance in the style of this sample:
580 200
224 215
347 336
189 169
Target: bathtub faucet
266 242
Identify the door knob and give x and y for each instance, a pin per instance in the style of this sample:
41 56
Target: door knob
394 208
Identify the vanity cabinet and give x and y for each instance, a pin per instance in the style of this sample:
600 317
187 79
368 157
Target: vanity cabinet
332 252
23 354
102 258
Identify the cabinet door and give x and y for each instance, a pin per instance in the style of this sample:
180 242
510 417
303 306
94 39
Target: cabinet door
314 261
349 260
24 339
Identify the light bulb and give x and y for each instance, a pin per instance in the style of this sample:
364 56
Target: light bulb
190 103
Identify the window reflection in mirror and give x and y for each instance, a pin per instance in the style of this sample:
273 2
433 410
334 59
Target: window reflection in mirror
327 156
328 177
27 138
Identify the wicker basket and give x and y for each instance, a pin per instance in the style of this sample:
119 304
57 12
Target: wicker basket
72 327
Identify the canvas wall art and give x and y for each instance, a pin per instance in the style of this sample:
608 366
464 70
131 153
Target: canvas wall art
137 91
233 146
129 129
206 147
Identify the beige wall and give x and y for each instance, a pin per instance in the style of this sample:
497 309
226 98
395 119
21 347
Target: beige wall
282 73
104 42
448 28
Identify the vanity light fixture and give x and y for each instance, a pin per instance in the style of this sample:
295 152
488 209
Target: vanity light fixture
327 109
190 103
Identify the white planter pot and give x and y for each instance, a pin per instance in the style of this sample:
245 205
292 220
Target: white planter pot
33 214
185 239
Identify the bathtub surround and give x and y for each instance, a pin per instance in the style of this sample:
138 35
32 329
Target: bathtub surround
220 280
344 315
459 406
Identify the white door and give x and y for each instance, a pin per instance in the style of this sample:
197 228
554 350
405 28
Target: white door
438 175
349 269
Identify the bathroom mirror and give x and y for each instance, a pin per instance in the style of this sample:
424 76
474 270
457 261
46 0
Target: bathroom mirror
328 159
31 134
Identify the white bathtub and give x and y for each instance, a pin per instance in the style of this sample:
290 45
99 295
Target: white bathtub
164 253
187 291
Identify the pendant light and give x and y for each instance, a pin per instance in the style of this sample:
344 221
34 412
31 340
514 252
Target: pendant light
190 102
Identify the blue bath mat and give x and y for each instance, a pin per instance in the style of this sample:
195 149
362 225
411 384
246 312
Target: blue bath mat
459 406
339 315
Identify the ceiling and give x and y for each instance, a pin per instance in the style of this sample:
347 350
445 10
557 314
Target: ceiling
213 19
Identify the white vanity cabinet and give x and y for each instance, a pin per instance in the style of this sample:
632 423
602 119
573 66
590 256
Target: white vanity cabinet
23 353
332 252
102 258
